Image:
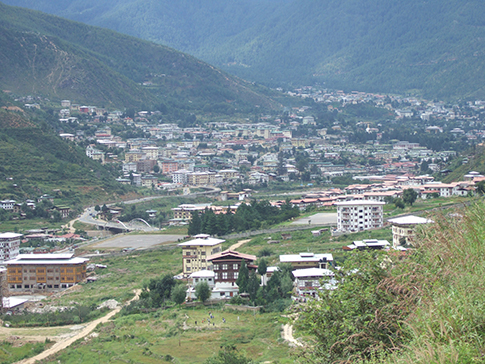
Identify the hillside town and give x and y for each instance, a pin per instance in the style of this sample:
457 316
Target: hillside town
302 145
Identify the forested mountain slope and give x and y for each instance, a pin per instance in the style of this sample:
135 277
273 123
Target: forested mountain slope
432 47
35 160
57 58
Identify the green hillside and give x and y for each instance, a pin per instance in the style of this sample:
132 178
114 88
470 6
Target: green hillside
57 58
433 48
34 161
461 166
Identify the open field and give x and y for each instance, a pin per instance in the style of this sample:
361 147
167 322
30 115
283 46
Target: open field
172 336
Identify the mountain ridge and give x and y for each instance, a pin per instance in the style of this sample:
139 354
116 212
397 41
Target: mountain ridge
48 54
431 48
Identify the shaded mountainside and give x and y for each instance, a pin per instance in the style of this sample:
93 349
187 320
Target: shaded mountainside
34 160
432 47
57 58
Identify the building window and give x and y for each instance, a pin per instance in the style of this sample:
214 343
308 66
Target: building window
236 274
224 275
235 266
224 267
216 266
216 276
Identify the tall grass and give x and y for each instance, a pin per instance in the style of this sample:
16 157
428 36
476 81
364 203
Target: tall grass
448 325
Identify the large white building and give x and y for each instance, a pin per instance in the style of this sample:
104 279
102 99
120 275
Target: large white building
357 215
180 176
9 246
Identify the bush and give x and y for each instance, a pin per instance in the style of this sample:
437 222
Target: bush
265 252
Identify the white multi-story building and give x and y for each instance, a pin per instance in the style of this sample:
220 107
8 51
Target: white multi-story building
7 204
9 245
180 176
357 215
196 251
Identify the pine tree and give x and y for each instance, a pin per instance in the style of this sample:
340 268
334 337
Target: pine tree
253 286
262 266
195 224
242 280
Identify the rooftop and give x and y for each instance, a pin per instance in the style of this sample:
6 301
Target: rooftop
305 257
46 259
202 239
410 220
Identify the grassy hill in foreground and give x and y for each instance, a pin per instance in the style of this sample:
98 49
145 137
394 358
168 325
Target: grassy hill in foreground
424 306
61 59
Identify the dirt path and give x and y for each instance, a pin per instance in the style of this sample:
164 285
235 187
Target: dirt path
287 335
60 345
238 244
69 226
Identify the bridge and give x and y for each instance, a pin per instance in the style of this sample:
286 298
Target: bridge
136 224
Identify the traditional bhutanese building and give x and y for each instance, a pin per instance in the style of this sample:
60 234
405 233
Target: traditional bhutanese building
226 265
44 272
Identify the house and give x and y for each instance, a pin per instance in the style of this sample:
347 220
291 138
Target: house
404 229
64 210
184 211
308 281
373 244
357 215
195 278
196 251
307 260
226 265
44 272
7 204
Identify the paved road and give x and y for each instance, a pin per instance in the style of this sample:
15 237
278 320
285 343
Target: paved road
87 216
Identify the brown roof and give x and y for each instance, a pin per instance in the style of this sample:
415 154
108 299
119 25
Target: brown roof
234 254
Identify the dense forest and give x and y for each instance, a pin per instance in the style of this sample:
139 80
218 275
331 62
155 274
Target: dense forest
433 48
246 217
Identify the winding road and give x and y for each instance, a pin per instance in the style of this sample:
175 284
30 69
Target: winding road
87 217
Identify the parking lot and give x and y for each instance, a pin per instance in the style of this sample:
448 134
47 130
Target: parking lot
137 241
318 219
